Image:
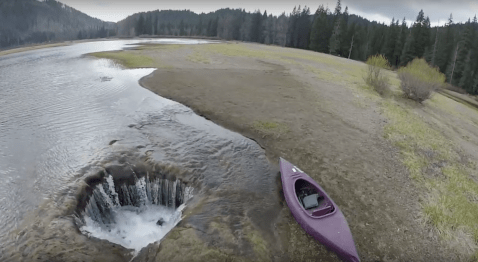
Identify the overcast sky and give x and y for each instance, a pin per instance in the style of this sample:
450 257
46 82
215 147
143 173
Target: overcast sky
378 10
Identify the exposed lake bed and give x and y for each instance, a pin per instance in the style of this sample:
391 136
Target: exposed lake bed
105 122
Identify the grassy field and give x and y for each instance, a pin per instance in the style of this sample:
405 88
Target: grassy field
128 60
442 171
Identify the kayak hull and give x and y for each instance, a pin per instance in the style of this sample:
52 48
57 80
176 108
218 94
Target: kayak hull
325 223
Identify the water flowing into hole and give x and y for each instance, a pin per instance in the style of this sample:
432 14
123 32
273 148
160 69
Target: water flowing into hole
134 215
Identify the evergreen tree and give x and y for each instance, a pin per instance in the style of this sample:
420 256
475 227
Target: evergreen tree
391 41
256 27
434 49
466 80
359 35
140 25
474 56
378 39
263 28
181 28
420 40
199 27
214 26
291 28
464 55
148 30
445 48
303 29
169 27
334 42
408 53
318 35
156 25
475 85
426 34
344 37
236 26
209 28
337 11
401 40
295 31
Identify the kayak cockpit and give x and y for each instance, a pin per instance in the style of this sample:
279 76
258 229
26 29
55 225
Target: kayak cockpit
312 200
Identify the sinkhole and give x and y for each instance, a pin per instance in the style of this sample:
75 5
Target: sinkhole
132 211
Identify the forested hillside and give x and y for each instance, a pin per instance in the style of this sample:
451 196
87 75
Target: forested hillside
226 23
453 47
33 21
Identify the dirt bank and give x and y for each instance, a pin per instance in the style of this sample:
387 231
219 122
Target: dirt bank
314 110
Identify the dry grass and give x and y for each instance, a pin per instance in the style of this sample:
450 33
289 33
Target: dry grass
197 57
270 128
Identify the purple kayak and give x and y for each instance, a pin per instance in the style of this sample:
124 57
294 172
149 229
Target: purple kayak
316 213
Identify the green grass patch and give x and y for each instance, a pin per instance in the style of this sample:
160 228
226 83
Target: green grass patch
270 128
126 58
445 104
159 47
236 50
409 131
258 243
451 202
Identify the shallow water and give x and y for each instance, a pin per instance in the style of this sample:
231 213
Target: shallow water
60 115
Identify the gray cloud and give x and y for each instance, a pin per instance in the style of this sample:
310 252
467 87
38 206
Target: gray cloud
436 10
382 10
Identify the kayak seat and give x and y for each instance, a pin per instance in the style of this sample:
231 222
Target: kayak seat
323 211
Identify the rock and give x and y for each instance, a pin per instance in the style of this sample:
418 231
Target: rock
160 222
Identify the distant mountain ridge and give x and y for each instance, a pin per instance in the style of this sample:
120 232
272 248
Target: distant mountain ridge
34 21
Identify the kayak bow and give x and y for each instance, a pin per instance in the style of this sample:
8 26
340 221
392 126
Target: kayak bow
316 212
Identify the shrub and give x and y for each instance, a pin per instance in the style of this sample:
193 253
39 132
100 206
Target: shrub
374 75
419 80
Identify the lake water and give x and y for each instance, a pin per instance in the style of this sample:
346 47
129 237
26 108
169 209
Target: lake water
64 116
